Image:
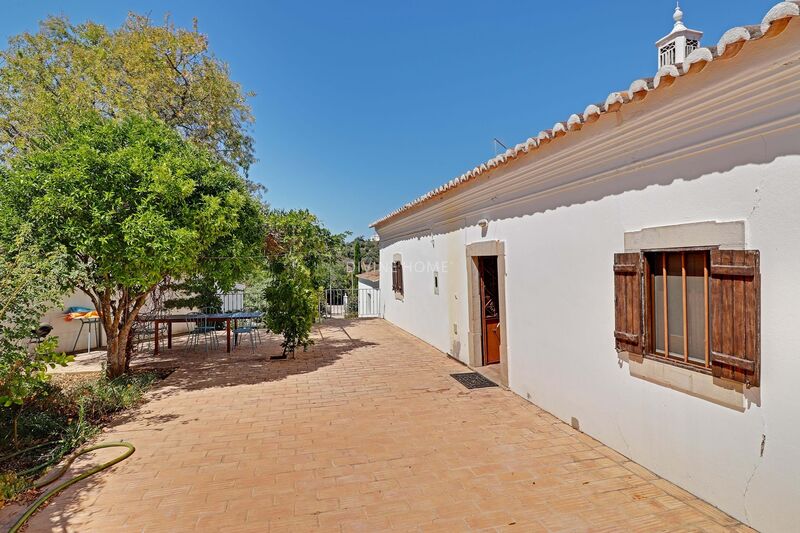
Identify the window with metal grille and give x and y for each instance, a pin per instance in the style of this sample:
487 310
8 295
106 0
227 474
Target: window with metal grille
667 54
691 46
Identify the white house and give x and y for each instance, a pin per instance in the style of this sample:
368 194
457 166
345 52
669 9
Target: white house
369 295
634 269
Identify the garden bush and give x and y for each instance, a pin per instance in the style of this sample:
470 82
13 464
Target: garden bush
64 415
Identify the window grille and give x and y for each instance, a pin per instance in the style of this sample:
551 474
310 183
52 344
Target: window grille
667 55
691 46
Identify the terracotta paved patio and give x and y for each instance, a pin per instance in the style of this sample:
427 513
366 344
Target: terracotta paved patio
366 432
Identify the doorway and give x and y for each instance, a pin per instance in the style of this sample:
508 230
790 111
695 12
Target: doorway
487 304
490 309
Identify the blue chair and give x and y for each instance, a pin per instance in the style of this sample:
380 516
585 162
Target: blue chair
198 325
258 325
245 326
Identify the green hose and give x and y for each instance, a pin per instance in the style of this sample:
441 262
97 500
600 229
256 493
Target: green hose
47 480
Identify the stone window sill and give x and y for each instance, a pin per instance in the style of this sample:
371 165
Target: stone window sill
697 382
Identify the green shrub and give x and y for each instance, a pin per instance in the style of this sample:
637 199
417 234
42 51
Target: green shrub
10 486
61 419
104 397
292 305
29 286
298 247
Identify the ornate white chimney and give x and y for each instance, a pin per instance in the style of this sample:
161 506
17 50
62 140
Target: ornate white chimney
676 46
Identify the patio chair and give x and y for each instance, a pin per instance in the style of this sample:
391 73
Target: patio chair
198 325
38 335
257 324
146 329
245 327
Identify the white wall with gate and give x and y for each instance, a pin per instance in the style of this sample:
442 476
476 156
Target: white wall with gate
362 302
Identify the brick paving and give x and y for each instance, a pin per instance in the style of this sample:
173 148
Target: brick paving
364 432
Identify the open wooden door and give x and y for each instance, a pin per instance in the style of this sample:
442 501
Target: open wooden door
490 309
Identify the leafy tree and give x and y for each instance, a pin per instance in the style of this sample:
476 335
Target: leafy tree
255 284
354 257
133 203
30 282
369 252
51 77
301 232
292 302
299 248
196 292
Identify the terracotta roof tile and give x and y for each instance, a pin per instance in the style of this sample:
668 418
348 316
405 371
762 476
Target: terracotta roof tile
372 275
731 43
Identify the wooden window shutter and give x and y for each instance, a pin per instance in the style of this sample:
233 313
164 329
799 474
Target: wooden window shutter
397 277
735 309
400 277
628 330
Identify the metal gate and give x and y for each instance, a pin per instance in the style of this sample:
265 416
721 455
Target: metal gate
351 303
232 301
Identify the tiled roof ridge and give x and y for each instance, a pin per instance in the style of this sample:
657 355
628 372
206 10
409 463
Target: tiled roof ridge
730 44
370 275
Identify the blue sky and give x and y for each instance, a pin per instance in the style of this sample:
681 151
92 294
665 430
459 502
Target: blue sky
364 105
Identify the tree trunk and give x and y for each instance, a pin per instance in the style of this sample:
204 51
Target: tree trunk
130 346
118 324
116 355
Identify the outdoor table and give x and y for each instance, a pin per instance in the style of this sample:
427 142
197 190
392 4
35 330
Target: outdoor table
194 317
89 323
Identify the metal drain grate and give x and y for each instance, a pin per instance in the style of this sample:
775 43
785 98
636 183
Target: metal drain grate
473 380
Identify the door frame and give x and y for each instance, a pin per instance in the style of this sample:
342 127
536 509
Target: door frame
483 262
475 250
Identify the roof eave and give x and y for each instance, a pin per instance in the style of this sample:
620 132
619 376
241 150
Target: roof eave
774 23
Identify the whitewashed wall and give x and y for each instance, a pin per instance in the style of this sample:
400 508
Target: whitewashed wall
697 151
369 299
67 332
421 311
